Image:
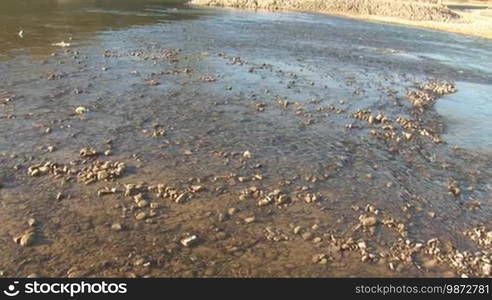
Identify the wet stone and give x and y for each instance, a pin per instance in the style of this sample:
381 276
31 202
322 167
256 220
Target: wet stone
189 241
116 227
141 215
249 220
368 221
31 222
307 236
26 239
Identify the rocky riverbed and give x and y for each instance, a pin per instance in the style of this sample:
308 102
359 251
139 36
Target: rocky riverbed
212 145
421 10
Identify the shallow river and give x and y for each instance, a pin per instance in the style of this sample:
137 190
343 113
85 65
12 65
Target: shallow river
226 107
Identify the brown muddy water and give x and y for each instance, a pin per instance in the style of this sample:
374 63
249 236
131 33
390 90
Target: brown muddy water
224 143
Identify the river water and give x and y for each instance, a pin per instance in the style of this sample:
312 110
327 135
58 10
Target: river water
183 95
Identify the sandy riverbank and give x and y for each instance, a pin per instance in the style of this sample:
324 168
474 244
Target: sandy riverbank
474 18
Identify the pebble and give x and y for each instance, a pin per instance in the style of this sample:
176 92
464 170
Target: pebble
189 241
362 245
139 262
368 221
80 110
26 239
141 215
247 154
197 188
307 236
59 196
31 222
249 220
116 227
180 198
142 203
222 217
138 197
487 269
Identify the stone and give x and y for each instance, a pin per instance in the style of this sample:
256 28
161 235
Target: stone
307 236
116 227
362 245
487 269
138 197
249 220
222 217
140 216
31 222
181 198
142 203
197 188
247 154
367 221
139 262
80 110
26 239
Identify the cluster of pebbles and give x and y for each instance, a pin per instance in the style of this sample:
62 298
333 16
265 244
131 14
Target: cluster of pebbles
170 55
425 95
402 253
480 236
405 253
400 129
404 128
86 171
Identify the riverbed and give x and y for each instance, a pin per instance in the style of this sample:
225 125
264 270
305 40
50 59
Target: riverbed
239 144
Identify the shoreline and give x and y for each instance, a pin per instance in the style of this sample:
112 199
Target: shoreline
470 22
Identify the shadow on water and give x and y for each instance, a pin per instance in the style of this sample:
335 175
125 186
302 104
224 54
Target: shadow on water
44 22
